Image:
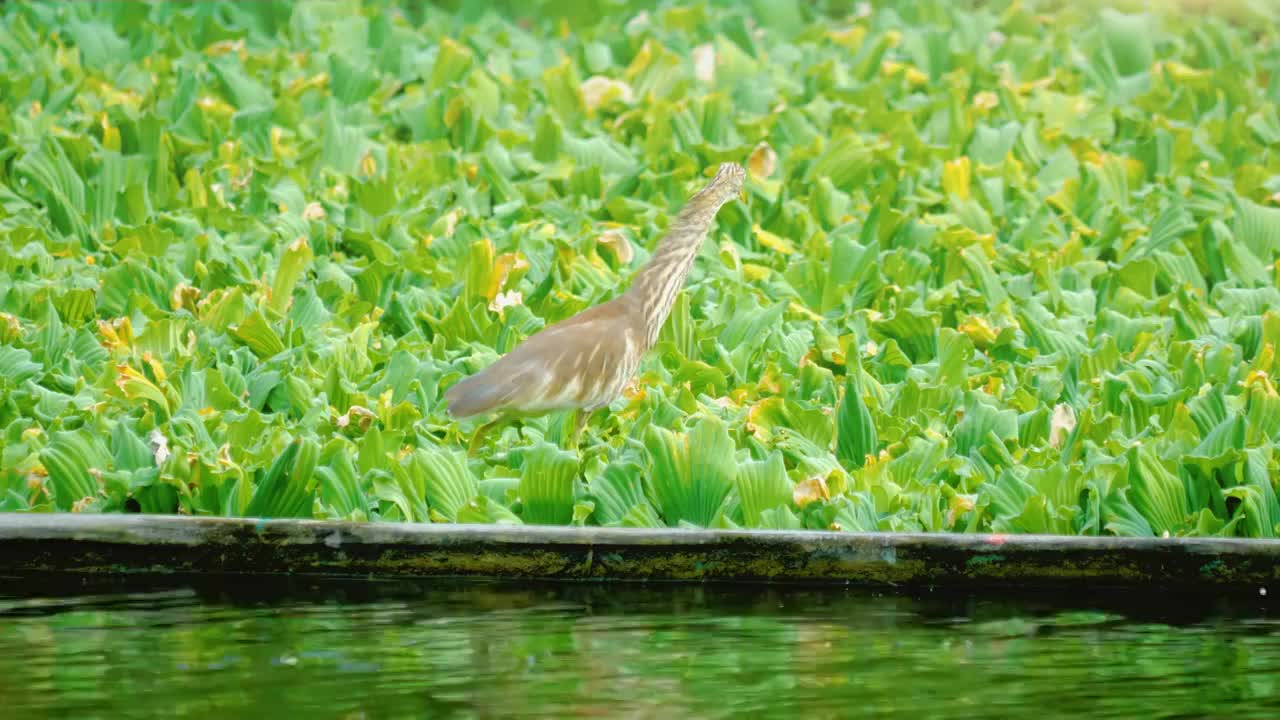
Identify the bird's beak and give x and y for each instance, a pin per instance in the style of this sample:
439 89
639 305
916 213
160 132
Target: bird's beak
742 195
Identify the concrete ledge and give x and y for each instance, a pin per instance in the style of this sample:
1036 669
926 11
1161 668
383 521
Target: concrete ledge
32 544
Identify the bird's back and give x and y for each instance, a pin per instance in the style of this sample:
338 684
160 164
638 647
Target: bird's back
581 362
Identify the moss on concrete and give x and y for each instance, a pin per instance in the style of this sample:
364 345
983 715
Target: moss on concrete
114 544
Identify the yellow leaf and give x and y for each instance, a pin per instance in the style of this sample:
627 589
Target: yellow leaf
641 61
503 268
213 105
110 134
986 100
301 85
116 334
196 191
453 111
849 38
768 413
10 328
1187 75
915 77
1062 202
957 506
135 385
598 90
775 243
278 147
753 272
112 95
223 47
812 490
617 245
815 317
763 161
1260 371
156 368
313 211
770 382
993 386
979 331
955 177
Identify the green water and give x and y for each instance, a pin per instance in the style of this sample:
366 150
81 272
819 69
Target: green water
253 649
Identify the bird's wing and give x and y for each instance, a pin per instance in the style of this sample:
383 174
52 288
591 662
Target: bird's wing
556 368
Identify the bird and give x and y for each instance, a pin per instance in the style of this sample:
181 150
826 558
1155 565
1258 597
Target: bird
584 362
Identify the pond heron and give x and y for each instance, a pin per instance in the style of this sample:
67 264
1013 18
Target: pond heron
584 362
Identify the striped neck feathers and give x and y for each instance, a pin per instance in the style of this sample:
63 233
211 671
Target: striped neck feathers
657 283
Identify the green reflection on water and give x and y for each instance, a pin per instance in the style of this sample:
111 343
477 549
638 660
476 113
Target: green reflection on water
487 650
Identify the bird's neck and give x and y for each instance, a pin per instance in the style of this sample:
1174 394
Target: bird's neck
657 283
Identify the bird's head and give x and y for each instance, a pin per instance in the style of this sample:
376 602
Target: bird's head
728 181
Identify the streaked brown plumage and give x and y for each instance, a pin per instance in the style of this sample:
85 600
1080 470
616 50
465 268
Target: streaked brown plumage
584 362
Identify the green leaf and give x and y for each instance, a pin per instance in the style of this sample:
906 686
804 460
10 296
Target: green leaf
563 96
846 161
453 60
286 489
484 510
980 421
856 512
1172 224
71 458
256 332
762 485
856 437
16 366
405 491
1128 39
448 482
547 485
1258 228
617 490
59 186
779 518
338 489
691 473
1123 518
1157 493
99 45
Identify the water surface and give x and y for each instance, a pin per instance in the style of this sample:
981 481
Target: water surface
446 649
